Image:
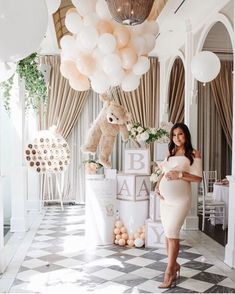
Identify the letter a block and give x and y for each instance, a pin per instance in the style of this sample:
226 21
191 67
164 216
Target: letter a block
154 234
133 187
137 161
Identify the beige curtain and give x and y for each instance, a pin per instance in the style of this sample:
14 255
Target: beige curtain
143 104
216 153
64 103
177 92
222 88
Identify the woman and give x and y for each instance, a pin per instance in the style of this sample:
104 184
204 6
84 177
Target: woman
180 168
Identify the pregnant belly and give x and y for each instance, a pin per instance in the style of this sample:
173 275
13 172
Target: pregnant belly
175 191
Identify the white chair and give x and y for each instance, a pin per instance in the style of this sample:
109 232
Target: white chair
208 207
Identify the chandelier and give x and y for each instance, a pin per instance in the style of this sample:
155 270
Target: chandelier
130 12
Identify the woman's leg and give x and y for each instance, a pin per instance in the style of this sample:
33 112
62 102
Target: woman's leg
173 251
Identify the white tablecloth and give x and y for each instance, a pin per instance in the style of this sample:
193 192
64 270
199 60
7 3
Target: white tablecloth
221 193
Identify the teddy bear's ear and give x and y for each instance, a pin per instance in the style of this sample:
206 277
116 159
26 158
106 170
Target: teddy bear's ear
128 116
104 97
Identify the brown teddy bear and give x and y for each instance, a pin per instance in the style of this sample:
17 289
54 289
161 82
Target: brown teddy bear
111 120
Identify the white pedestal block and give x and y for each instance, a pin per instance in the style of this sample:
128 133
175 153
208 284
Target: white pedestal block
133 214
154 234
133 187
100 210
154 207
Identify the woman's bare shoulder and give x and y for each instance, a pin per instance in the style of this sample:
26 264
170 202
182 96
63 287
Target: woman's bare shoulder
197 153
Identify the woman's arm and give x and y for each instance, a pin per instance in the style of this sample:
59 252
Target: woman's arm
157 187
177 175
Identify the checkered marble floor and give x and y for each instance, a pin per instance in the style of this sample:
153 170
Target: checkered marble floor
59 262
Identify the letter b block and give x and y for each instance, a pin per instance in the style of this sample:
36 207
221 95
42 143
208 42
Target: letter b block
137 161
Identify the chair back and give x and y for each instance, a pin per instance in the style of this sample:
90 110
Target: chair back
209 178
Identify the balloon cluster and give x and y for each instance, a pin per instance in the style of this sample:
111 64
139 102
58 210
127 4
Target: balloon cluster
102 53
122 238
48 152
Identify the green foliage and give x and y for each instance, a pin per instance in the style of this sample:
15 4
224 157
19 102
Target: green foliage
6 87
35 86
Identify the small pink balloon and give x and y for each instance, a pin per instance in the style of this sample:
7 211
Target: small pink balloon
121 242
124 236
117 231
118 237
116 242
122 36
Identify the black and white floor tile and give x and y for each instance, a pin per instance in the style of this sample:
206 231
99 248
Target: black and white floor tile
58 262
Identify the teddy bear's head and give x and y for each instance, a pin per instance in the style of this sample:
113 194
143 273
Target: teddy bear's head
117 114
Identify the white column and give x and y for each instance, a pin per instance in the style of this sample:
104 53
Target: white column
190 118
2 258
230 247
18 169
163 106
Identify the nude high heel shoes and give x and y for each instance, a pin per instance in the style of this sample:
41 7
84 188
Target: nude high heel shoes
169 280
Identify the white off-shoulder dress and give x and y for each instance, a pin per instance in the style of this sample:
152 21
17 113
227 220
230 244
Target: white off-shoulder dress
177 194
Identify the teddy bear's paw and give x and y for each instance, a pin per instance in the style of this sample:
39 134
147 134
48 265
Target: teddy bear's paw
105 163
88 149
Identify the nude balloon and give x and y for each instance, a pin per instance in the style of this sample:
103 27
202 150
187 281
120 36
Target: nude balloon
128 57
122 36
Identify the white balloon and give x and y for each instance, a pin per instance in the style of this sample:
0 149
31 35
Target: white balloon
107 43
151 27
73 22
130 83
69 50
139 242
84 6
100 82
139 44
141 66
117 78
22 27
102 10
205 66
53 5
149 41
88 37
6 70
111 64
91 19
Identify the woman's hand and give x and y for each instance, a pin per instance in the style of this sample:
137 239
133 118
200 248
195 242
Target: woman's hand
157 192
173 175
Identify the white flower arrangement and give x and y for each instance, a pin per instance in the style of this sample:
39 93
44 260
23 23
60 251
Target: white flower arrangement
155 176
148 135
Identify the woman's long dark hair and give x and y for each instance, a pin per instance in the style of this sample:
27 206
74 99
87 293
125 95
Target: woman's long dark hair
187 145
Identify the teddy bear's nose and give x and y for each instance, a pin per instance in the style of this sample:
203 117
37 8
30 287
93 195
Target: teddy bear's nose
110 119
